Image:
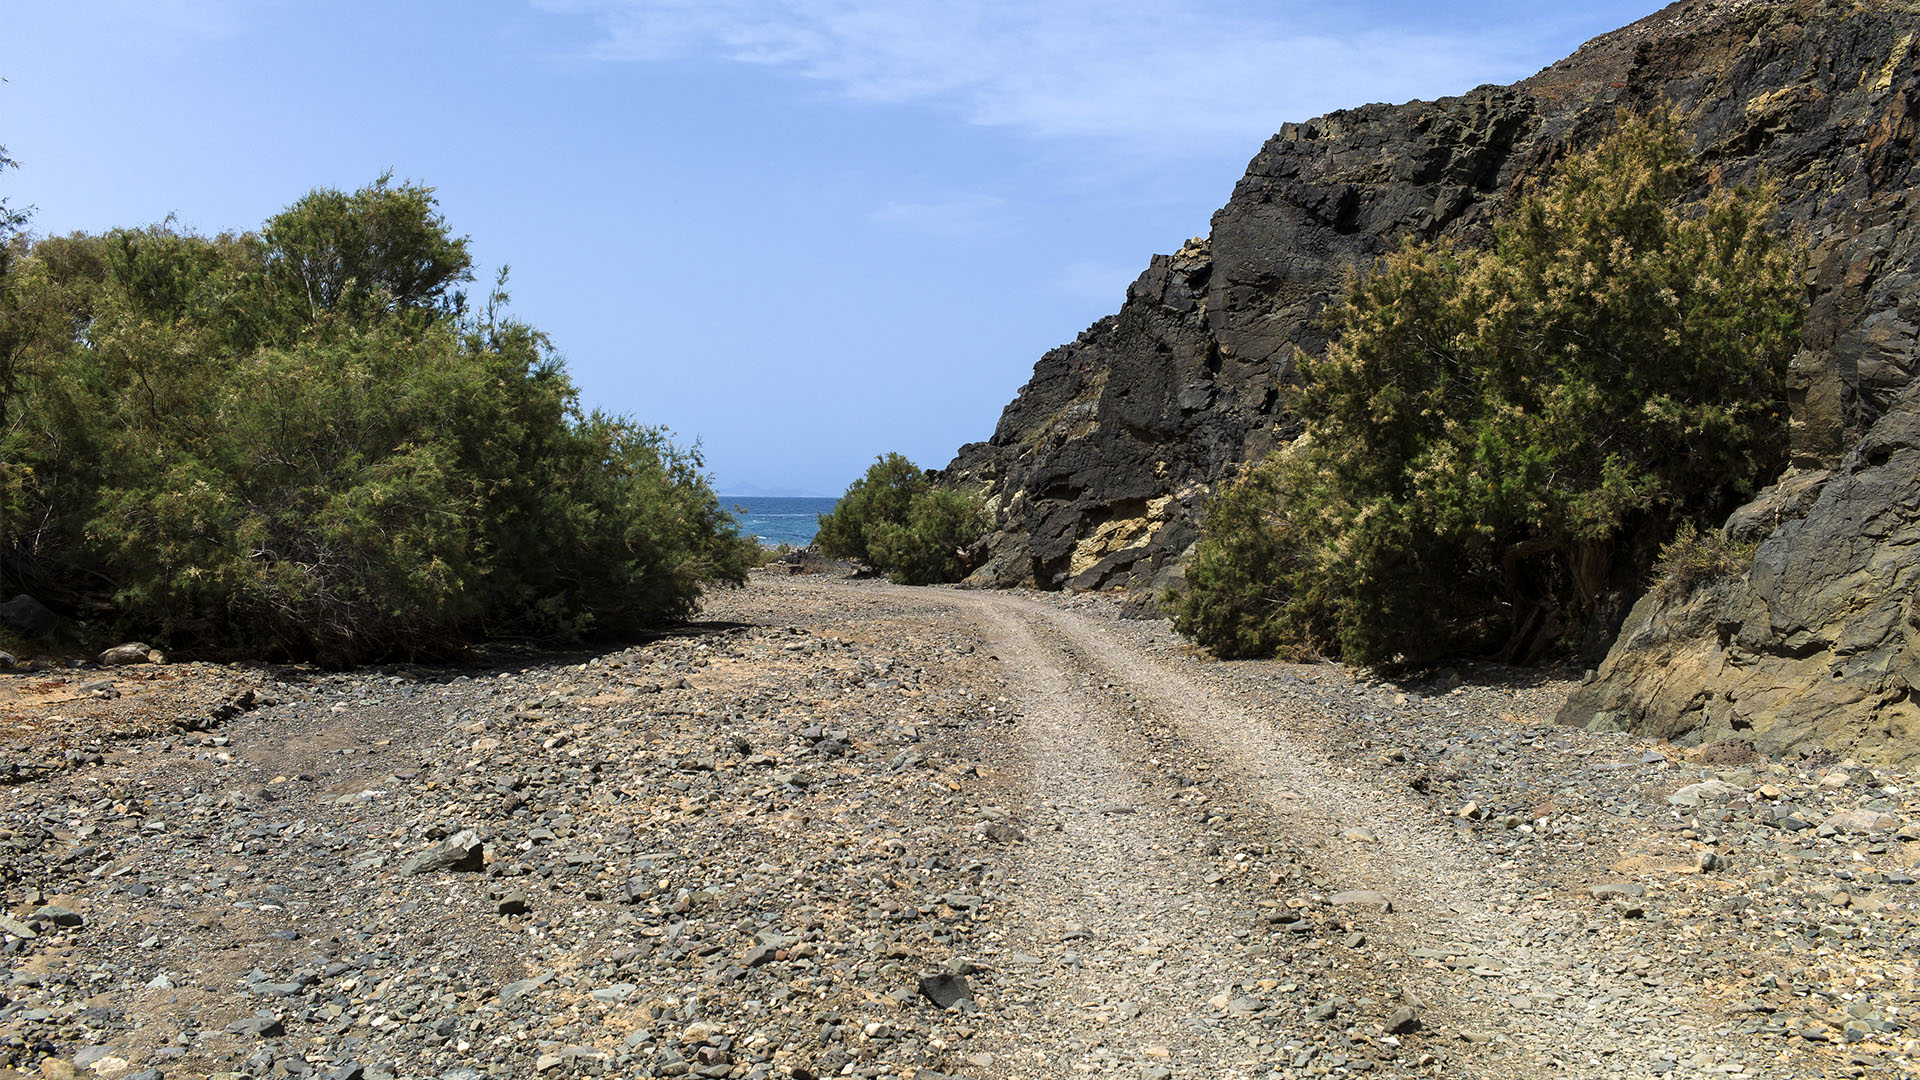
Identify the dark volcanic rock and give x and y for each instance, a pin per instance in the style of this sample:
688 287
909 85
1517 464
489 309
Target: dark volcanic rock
1098 471
945 990
26 615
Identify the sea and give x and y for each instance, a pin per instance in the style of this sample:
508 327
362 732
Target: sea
776 521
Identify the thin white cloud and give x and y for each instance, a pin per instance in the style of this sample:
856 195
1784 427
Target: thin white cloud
1173 75
958 216
168 22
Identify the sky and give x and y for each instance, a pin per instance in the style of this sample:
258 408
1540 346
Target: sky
800 233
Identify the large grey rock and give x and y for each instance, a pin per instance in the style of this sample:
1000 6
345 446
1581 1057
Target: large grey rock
1706 791
1819 644
945 990
25 615
132 652
1099 469
461 852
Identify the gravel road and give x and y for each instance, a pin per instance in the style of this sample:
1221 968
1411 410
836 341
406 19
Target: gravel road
845 828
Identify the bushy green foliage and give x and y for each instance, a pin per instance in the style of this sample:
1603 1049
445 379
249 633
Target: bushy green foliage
884 495
1233 601
298 442
1496 437
899 522
931 545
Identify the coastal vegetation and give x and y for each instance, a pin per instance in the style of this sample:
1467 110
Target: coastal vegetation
898 521
303 442
1498 438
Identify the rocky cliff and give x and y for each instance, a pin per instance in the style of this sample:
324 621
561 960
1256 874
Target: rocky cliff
1098 471
1099 468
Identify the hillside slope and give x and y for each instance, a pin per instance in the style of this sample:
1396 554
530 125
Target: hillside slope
1099 469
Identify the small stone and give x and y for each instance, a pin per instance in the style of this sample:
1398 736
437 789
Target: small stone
1706 791
1360 898
59 916
1402 1021
513 903
133 652
520 988
945 991
88 1056
266 1027
1861 822
461 853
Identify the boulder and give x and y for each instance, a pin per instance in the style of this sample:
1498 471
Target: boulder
1861 822
1706 791
25 615
133 652
461 852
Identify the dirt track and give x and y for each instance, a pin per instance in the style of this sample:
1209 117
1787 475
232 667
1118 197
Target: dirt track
735 852
1131 888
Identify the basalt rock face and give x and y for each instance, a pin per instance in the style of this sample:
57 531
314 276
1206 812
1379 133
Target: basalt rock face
1817 643
1098 471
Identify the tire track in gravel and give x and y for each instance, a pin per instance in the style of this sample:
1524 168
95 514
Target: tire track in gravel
1504 988
1119 937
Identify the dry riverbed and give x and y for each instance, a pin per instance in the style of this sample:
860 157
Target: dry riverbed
844 828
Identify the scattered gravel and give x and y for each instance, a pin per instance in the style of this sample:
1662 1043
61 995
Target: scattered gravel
845 828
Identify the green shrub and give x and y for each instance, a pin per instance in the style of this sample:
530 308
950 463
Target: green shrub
885 494
899 522
300 443
1695 558
1498 437
931 545
1236 599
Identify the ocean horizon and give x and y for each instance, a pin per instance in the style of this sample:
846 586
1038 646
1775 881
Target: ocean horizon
776 520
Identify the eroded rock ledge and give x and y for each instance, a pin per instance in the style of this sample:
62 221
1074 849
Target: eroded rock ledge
1819 644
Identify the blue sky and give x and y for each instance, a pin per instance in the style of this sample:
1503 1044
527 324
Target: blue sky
803 233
